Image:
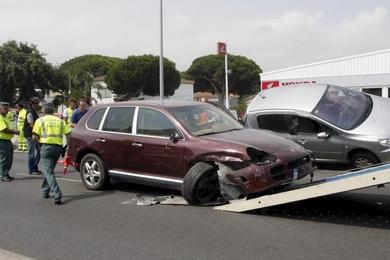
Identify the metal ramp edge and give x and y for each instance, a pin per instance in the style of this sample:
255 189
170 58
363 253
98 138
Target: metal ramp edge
353 180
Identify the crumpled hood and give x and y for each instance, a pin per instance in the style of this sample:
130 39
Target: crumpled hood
260 139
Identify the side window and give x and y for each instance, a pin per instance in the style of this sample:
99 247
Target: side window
152 122
276 123
119 119
306 125
96 118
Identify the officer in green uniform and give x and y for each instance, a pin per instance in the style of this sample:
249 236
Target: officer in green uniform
49 131
6 147
22 142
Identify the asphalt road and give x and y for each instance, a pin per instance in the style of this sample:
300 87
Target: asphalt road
109 225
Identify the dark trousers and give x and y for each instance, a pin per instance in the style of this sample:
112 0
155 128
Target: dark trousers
50 154
33 149
6 157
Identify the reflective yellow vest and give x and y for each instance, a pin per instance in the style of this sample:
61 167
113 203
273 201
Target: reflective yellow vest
21 118
51 129
4 124
70 113
11 116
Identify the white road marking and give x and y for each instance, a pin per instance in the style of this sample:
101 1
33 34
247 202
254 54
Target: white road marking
57 178
132 201
7 255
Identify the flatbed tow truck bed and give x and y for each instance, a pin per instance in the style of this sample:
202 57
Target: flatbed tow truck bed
377 175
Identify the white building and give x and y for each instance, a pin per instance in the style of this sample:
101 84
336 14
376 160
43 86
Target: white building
184 92
368 72
101 94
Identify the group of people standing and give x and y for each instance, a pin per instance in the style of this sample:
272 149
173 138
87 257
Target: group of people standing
42 137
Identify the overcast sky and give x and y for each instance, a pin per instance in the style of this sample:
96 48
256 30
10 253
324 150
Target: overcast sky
275 34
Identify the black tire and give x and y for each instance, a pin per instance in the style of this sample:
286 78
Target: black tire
363 159
201 185
90 165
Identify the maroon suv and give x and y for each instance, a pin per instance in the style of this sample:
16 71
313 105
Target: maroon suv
189 146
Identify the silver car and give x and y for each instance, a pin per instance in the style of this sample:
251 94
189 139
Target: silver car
337 124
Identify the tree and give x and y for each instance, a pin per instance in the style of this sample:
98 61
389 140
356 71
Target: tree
208 72
82 70
24 72
140 75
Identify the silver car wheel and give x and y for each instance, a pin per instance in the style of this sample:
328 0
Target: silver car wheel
362 162
92 172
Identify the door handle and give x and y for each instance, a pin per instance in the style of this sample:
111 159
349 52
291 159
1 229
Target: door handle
301 141
100 140
136 144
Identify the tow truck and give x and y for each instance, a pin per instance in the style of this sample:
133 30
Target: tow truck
377 175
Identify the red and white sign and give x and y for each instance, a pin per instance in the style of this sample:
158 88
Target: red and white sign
276 83
269 84
221 48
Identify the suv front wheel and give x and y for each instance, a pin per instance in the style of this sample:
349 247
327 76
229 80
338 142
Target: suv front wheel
201 185
92 172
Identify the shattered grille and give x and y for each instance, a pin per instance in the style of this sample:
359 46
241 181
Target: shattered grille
277 173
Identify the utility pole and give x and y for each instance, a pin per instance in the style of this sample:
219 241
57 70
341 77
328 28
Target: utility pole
161 53
226 80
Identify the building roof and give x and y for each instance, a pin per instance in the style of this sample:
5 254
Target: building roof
377 62
100 78
201 94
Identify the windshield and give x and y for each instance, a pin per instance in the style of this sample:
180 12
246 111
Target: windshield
205 119
343 108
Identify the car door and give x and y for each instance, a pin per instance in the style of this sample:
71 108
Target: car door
154 152
116 138
328 146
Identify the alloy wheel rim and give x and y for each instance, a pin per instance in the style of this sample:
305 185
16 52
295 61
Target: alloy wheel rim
92 172
362 162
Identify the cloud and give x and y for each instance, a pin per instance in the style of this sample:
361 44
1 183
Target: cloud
366 19
276 35
298 37
292 19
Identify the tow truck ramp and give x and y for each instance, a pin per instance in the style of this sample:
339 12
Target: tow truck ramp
353 180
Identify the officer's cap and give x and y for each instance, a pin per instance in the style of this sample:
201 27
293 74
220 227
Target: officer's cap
48 108
4 104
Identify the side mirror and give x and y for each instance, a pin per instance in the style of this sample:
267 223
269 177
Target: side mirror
174 136
323 135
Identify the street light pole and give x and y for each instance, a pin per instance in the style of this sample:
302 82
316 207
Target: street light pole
161 53
226 81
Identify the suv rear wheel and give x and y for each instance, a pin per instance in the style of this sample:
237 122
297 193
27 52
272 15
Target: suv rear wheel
201 184
92 172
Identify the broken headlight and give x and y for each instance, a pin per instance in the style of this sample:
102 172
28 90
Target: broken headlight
260 157
236 165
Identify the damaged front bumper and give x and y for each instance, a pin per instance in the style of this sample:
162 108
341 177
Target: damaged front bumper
254 178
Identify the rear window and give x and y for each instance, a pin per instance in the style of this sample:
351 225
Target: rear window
343 107
96 118
119 119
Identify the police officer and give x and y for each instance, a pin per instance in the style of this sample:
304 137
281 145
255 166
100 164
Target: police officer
49 131
6 147
33 147
22 115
